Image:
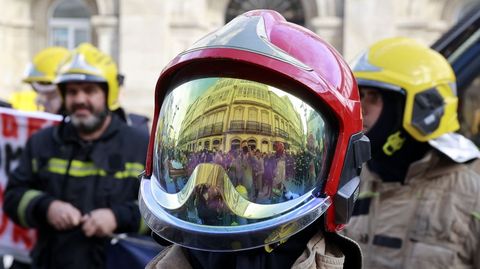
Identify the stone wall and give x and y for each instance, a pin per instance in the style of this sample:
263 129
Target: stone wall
144 35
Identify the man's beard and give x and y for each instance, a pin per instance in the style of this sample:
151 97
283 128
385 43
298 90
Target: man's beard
90 124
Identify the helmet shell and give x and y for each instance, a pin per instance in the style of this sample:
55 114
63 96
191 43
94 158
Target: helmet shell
292 55
45 64
89 64
422 74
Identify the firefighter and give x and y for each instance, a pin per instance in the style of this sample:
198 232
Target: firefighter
419 205
246 73
76 183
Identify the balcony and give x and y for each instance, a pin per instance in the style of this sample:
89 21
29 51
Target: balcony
217 128
253 127
211 129
266 129
281 133
237 126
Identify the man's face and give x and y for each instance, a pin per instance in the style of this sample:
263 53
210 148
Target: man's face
48 97
372 106
50 101
86 104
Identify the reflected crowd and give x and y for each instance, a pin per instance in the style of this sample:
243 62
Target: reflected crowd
260 177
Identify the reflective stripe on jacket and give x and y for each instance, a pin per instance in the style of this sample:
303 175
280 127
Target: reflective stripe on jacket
431 221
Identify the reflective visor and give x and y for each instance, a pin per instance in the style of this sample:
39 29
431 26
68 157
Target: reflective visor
235 164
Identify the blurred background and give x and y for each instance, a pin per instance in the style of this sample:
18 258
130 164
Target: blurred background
144 35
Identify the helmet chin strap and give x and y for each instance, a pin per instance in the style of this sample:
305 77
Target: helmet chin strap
392 165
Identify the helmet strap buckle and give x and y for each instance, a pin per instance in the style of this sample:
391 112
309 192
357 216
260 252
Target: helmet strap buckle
394 143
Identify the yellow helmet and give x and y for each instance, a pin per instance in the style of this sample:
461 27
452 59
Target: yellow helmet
242 190
44 66
24 100
88 64
422 75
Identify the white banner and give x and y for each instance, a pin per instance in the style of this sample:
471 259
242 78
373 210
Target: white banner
15 128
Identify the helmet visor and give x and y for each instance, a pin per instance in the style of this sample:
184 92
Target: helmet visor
236 162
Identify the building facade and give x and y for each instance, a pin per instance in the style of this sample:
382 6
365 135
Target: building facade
142 36
233 111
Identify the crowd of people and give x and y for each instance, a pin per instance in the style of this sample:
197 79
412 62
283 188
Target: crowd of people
278 175
416 205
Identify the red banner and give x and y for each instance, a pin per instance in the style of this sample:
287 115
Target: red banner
15 128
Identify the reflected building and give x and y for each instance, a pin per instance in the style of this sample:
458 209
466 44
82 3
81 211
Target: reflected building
232 111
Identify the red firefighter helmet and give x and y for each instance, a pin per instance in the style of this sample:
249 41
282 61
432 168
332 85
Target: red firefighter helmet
254 84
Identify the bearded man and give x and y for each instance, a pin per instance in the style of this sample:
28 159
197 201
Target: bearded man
77 182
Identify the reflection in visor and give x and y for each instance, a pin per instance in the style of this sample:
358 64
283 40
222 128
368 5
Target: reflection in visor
263 146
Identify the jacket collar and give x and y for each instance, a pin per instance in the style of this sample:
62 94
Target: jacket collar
432 165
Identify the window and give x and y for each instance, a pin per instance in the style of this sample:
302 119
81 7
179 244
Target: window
211 119
264 146
265 116
235 144
215 144
292 10
69 24
252 114
238 113
220 116
252 144
207 144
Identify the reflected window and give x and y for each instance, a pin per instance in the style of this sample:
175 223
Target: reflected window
207 144
235 144
252 144
69 24
238 114
220 116
264 147
265 116
252 114
211 119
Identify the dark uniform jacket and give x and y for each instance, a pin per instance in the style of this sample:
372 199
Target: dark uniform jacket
57 164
